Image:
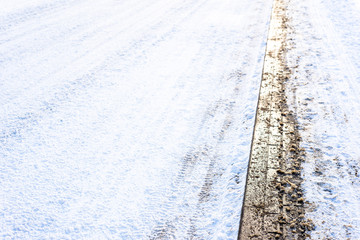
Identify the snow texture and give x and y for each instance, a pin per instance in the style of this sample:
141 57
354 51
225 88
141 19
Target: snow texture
324 91
133 119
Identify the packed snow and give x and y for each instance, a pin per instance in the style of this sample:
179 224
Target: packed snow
133 119
127 119
324 91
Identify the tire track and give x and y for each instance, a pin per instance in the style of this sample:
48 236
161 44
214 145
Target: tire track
77 85
199 161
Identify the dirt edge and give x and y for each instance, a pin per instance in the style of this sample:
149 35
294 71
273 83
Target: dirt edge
273 205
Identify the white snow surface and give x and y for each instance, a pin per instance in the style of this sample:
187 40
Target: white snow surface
128 119
326 83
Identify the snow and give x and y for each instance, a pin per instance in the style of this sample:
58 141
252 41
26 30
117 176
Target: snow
127 119
133 119
324 91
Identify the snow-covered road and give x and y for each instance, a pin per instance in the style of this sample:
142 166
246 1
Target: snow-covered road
127 119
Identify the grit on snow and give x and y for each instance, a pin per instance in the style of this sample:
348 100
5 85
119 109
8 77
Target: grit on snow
127 119
130 119
324 91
